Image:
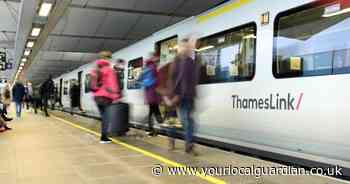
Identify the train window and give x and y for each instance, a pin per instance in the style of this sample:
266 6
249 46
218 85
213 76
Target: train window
87 82
312 40
65 88
134 72
228 56
167 49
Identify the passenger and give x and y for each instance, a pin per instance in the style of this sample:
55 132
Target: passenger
29 94
3 117
6 98
105 89
37 102
74 93
185 73
150 83
18 92
46 91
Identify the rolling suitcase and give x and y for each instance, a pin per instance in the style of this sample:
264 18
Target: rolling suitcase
118 116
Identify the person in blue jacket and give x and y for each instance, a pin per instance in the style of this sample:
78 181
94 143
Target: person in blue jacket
18 93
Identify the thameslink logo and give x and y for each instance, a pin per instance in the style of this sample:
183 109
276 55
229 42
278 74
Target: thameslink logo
272 102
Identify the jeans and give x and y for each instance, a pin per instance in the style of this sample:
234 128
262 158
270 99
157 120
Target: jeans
18 109
185 110
44 106
104 117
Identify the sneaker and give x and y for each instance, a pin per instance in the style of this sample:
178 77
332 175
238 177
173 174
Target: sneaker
105 140
190 150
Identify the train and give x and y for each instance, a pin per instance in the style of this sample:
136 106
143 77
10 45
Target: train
274 78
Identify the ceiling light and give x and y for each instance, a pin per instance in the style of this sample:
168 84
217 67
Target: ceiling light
27 52
22 64
334 10
205 48
30 44
24 60
249 36
347 10
45 9
36 31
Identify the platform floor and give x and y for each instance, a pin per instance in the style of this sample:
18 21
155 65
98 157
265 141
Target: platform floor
48 150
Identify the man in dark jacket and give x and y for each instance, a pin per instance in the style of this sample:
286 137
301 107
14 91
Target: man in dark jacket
185 78
18 92
46 90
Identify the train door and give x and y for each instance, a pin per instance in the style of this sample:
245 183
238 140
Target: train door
80 74
60 91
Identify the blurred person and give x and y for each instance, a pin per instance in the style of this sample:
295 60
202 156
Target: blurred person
29 94
152 98
18 93
46 91
6 98
185 74
105 90
3 117
74 93
37 102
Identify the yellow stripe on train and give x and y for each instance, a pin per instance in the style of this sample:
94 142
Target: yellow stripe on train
222 10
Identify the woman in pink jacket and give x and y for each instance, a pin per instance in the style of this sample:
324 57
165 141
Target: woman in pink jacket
105 90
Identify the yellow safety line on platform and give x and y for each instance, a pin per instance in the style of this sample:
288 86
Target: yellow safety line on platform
222 10
145 152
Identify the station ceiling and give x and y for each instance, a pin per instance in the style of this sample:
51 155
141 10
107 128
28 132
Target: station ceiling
88 26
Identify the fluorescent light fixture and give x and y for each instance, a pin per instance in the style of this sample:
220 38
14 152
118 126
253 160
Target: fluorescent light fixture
334 10
22 64
36 31
24 60
205 48
30 44
249 36
21 68
45 9
26 52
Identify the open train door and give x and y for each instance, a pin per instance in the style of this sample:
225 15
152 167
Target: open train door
60 92
80 86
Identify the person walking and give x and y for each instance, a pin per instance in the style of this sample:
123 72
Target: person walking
105 88
152 98
18 93
29 94
46 91
74 93
185 75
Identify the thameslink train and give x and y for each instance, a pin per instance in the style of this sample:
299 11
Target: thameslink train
254 53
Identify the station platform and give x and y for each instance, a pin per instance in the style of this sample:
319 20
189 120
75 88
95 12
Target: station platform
65 149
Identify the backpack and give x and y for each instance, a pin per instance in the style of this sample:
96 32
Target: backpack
94 80
148 78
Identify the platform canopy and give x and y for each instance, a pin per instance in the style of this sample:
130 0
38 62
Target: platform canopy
76 30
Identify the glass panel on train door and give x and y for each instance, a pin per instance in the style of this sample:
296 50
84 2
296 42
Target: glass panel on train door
167 49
